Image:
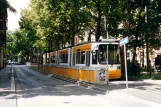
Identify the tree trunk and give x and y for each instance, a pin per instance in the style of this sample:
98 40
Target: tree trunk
72 42
89 36
27 57
98 31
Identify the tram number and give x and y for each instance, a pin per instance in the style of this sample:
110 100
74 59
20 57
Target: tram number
102 75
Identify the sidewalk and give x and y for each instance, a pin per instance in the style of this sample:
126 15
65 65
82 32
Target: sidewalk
7 96
148 91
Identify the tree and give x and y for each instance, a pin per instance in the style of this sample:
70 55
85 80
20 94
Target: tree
4 4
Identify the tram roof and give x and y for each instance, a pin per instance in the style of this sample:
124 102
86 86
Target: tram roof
100 41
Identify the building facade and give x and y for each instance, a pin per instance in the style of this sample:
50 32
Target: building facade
3 28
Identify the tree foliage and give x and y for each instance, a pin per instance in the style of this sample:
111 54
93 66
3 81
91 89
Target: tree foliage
4 4
52 24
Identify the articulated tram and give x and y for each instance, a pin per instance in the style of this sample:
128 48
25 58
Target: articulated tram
93 62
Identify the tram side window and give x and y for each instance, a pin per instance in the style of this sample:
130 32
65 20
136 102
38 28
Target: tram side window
78 58
47 59
94 57
73 58
113 54
70 61
64 58
44 59
52 59
58 59
88 58
82 57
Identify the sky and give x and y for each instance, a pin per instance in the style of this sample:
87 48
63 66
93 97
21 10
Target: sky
13 18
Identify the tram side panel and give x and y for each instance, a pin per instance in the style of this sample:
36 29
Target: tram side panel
79 70
34 66
63 67
46 61
84 69
70 67
53 62
83 75
66 70
73 68
114 74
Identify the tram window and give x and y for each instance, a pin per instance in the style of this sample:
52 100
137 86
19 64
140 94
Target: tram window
66 58
63 58
113 54
82 58
70 60
58 59
94 57
44 59
52 59
78 58
102 54
87 58
47 60
73 58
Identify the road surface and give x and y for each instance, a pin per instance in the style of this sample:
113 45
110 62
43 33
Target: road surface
34 89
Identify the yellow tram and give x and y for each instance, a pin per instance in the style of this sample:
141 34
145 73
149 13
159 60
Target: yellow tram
93 62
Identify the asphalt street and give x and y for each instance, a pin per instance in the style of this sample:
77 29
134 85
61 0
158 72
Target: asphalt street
34 89
7 95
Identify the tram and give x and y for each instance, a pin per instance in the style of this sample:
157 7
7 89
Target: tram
94 62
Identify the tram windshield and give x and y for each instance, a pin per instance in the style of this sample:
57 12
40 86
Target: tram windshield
113 54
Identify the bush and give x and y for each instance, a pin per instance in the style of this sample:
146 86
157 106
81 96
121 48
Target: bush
156 77
144 76
133 69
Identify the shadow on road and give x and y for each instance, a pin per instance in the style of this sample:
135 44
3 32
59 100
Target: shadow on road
5 84
30 83
118 85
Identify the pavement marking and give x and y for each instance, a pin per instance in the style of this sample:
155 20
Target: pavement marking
20 102
13 91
